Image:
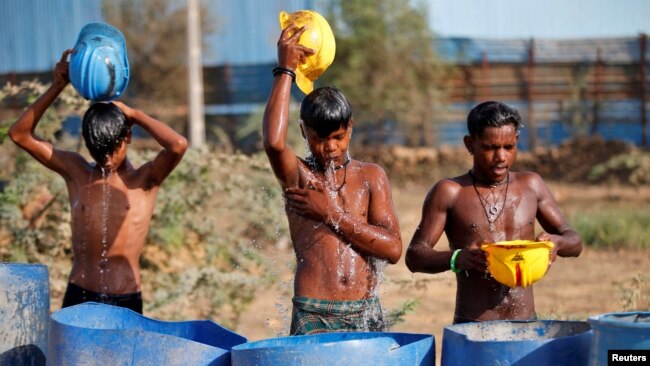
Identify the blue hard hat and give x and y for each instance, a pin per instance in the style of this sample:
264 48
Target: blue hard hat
99 67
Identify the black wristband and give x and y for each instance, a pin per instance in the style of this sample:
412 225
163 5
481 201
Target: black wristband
284 70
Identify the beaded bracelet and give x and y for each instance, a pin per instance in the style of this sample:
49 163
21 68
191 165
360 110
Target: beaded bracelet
284 70
453 261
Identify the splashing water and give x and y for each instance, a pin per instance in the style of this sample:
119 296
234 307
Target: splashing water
377 265
374 316
345 251
106 198
330 179
283 308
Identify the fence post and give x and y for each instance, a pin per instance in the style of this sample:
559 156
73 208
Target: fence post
532 131
598 76
643 39
485 75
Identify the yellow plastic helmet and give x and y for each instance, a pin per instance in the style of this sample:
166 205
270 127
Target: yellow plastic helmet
319 37
518 263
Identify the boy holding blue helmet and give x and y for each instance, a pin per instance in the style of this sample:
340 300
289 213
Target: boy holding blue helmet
111 200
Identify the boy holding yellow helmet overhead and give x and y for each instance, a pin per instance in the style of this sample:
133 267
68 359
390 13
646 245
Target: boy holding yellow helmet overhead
341 216
490 204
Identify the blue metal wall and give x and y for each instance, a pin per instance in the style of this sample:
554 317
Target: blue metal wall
247 30
33 33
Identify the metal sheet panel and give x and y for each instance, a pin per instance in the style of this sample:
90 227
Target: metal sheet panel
34 33
247 30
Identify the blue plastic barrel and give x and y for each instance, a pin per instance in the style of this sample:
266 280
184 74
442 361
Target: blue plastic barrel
618 331
524 343
24 313
99 334
351 348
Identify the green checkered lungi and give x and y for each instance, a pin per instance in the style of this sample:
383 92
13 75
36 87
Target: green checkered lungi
318 316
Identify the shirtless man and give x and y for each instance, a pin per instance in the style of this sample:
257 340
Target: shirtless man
488 204
111 201
340 211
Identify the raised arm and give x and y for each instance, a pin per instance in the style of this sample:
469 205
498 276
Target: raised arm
557 230
276 115
22 131
174 145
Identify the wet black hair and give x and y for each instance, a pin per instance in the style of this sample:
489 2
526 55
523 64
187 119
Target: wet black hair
325 110
103 128
492 114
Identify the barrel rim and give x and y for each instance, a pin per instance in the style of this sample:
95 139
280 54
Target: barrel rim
607 320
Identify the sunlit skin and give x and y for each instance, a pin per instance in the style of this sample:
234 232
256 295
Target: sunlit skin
111 201
336 224
452 207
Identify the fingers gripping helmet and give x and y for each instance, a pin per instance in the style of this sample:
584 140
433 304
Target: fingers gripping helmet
319 37
99 67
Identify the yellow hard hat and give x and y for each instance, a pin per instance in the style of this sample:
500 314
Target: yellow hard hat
518 262
319 37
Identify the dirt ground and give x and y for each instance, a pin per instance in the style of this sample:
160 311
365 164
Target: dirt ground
599 281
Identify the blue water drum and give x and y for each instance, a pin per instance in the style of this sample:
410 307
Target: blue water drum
351 348
98 334
618 331
524 343
24 313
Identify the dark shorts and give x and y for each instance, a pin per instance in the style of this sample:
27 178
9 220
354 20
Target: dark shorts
312 316
75 295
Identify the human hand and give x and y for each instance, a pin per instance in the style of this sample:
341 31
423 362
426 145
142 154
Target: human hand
314 202
129 112
62 70
473 258
290 52
544 236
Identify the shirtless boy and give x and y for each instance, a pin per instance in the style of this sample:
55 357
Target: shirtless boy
111 201
488 204
340 211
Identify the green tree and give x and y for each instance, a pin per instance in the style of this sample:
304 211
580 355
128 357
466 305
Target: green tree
386 64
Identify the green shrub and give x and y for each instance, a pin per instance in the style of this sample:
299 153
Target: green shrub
614 228
630 168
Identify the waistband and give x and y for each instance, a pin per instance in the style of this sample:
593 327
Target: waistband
334 306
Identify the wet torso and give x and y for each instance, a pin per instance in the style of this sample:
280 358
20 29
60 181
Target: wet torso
110 222
479 296
327 267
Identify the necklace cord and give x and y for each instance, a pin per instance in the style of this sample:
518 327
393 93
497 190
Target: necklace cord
484 202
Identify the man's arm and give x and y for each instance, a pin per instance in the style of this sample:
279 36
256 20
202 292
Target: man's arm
174 145
22 131
557 230
420 255
276 115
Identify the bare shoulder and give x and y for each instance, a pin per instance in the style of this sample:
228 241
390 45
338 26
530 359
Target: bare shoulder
530 180
368 169
69 164
445 191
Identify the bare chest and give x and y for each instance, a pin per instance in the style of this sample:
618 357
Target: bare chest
110 201
493 215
